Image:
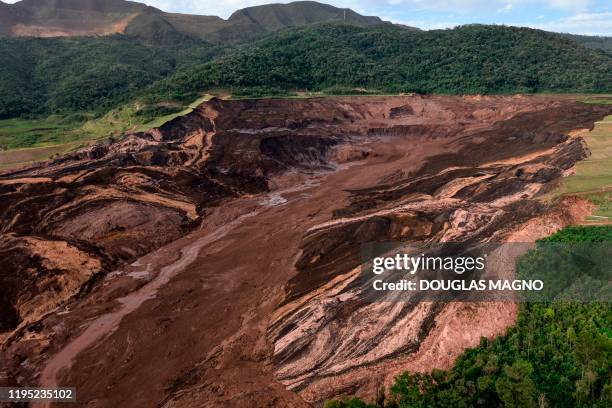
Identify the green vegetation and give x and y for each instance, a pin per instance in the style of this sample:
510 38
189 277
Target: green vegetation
595 42
60 91
156 117
600 99
19 133
559 354
66 91
24 141
468 59
582 234
41 77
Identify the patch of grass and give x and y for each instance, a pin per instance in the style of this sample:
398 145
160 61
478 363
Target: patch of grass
599 99
21 133
113 124
159 121
593 177
12 159
603 201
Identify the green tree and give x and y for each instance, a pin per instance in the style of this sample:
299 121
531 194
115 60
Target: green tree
515 387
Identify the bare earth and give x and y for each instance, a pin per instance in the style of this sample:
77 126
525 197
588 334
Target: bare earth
208 262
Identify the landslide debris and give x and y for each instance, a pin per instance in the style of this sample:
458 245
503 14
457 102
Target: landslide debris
409 168
481 188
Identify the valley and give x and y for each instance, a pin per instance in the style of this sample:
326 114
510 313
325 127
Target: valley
210 260
189 203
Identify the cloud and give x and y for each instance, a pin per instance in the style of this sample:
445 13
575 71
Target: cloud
489 5
425 24
581 23
505 9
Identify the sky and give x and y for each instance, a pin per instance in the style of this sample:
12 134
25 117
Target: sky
591 17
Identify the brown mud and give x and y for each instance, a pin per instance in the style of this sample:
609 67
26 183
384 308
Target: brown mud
205 263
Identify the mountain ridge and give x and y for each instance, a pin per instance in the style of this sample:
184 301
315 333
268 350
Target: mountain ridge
67 18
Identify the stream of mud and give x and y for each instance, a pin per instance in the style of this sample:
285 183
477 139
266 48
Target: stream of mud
104 325
108 323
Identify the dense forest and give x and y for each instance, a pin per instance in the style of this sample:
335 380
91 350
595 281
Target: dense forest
61 75
468 59
41 76
559 354
595 42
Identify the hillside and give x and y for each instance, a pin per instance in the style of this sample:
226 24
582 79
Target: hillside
468 59
67 18
254 21
105 72
557 355
7 18
595 42
59 18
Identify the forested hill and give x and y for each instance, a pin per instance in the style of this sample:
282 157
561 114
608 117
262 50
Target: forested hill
595 42
468 59
41 76
63 75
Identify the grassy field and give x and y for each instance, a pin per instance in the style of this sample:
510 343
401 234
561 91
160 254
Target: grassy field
157 122
20 133
603 98
593 177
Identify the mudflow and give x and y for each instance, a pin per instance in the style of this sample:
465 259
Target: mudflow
212 261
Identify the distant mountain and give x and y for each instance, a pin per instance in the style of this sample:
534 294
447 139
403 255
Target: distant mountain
254 21
62 18
6 18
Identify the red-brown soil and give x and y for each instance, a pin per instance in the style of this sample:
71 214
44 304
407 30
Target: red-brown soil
67 18
204 263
